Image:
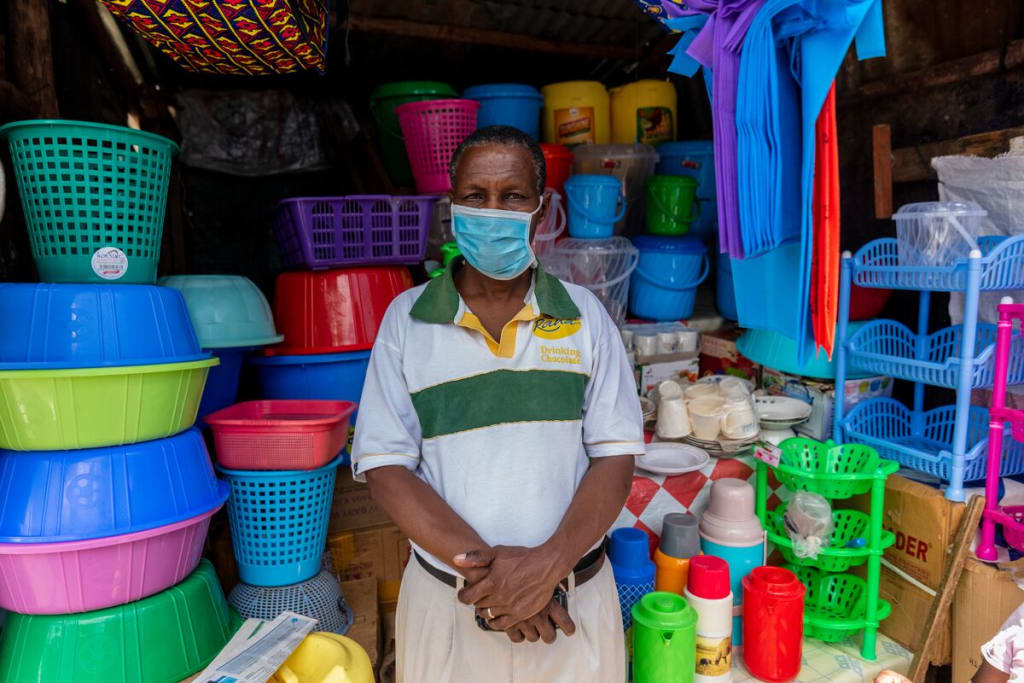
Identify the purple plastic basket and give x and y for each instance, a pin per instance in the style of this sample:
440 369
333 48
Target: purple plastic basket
372 229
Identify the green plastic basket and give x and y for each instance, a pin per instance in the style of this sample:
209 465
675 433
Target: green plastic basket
835 604
96 407
94 198
830 470
849 525
164 638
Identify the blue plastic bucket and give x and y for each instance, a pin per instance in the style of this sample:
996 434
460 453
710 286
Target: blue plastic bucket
221 388
694 158
508 104
330 376
664 284
596 204
725 295
742 560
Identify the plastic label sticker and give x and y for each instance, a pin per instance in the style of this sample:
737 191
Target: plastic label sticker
110 263
653 125
714 656
574 126
768 454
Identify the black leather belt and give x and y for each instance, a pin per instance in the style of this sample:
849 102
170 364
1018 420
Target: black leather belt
586 569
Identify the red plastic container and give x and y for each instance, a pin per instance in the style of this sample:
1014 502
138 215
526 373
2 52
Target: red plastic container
280 435
334 311
866 303
773 623
558 162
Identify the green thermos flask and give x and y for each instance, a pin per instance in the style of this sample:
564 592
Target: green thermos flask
664 639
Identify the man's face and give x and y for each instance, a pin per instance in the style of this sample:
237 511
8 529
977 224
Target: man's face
497 176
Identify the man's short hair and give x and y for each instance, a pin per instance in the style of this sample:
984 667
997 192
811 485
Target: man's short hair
502 135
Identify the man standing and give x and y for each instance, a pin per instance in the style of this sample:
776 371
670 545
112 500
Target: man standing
497 427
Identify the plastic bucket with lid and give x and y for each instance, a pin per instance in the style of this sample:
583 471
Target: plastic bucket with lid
664 639
631 164
508 104
725 295
558 162
383 101
670 205
595 204
664 284
937 233
576 113
696 159
644 111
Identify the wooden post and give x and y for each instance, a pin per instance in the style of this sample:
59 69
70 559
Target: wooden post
31 67
881 146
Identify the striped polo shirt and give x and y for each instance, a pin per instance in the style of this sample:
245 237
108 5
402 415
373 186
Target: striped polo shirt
503 429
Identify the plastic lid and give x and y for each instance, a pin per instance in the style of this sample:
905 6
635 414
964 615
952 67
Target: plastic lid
664 612
593 180
687 147
502 90
449 252
939 209
662 179
407 88
709 577
679 536
630 554
729 518
674 245
774 581
620 151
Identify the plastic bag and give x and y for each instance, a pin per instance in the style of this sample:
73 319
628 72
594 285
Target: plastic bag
809 524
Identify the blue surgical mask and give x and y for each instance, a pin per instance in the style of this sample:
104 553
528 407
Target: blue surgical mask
494 241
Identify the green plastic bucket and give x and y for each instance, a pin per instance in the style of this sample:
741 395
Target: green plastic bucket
94 198
383 101
670 204
664 639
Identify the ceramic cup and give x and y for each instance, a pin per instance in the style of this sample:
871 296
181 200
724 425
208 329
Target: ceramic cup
645 344
701 389
627 338
686 340
673 421
706 416
667 342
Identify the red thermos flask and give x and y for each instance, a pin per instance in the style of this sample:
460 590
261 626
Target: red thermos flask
773 623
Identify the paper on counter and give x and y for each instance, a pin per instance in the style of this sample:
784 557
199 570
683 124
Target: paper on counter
257 650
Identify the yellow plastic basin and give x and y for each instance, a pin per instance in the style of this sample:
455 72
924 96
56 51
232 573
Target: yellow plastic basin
326 658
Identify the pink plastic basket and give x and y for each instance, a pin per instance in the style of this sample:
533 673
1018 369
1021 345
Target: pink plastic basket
432 130
81 576
280 435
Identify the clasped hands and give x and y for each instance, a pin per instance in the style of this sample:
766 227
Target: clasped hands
512 588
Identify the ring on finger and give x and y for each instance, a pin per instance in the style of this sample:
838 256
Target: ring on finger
490 614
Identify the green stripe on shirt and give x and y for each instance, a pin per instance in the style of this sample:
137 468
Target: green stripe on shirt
499 397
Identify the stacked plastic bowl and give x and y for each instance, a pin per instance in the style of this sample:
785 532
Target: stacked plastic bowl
108 488
231 317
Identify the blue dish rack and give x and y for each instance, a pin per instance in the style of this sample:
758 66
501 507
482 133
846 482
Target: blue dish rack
947 442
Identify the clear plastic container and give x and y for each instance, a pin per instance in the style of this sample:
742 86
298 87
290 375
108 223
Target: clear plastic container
602 266
937 233
631 164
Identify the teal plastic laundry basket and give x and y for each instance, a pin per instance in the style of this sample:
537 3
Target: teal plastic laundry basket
94 198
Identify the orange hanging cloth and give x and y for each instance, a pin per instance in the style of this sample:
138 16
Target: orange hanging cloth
825 261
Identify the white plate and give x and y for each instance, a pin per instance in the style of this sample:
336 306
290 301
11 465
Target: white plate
781 411
671 458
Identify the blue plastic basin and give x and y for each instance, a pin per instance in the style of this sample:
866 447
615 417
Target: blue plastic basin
664 285
221 388
56 496
508 104
332 376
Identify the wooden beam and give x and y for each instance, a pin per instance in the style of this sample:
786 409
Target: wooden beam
946 73
31 65
915 163
881 146
480 36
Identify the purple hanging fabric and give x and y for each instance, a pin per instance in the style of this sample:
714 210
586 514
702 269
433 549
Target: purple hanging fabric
718 46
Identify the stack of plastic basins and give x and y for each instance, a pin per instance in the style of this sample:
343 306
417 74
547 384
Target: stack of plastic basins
108 488
280 458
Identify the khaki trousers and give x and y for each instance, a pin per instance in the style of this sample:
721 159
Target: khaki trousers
438 641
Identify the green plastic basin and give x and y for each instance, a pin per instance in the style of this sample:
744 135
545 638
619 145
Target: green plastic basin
164 638
96 407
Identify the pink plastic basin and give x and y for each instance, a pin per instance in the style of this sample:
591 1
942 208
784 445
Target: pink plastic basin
81 576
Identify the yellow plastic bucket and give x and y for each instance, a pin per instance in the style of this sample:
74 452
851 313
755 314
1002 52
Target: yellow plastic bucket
576 113
644 111
326 658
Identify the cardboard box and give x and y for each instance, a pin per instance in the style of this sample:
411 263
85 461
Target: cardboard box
654 373
719 356
353 507
379 553
361 596
985 598
821 395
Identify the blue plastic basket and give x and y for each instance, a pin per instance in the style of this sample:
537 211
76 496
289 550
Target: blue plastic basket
924 441
886 347
278 522
877 264
508 104
56 496
58 326
329 376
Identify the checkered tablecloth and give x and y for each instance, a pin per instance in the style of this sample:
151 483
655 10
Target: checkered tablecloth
838 662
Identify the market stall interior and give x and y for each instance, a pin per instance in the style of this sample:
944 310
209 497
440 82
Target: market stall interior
800 216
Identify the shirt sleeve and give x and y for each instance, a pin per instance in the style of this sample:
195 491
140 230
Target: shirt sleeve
1005 651
387 430
612 418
